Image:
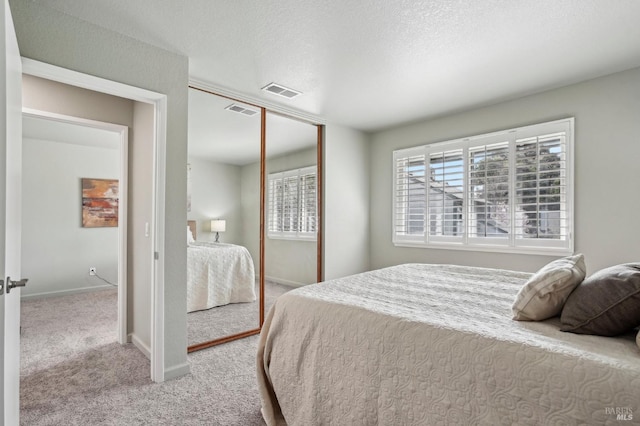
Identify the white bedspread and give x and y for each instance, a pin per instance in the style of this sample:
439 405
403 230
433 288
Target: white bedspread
218 274
435 345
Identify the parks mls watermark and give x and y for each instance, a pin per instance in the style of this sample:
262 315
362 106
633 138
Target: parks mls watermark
620 413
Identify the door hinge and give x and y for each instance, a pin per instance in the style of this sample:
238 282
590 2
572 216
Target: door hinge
156 255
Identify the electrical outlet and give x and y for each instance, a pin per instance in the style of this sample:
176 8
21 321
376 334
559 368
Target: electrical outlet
92 271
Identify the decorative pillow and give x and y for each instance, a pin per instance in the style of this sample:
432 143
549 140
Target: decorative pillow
607 303
190 238
544 294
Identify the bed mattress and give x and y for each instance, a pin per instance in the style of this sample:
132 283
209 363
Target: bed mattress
218 274
424 344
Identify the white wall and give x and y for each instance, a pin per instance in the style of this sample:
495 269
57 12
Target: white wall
50 36
607 149
215 194
57 251
346 198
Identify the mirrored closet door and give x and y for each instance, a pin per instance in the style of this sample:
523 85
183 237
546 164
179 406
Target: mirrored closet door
292 212
223 212
254 214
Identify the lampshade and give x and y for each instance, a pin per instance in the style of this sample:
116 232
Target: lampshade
218 225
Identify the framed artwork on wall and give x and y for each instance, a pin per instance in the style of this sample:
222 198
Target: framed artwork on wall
99 203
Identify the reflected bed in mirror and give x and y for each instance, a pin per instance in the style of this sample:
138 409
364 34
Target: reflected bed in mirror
218 274
223 187
222 276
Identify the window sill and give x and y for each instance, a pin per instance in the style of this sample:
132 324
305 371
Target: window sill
292 238
538 251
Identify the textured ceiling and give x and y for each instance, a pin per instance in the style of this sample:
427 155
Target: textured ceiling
379 63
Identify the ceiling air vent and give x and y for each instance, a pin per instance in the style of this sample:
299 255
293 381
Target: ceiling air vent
280 90
241 110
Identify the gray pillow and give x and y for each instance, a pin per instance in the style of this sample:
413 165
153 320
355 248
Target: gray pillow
606 304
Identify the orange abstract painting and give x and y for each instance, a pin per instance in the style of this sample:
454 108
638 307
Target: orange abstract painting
99 203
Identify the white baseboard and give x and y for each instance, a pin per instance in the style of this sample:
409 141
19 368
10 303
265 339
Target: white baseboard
66 292
140 345
284 282
176 371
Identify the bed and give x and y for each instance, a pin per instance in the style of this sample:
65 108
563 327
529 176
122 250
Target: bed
420 344
218 274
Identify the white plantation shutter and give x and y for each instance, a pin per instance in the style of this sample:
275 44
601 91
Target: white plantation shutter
446 193
292 205
504 191
308 202
274 204
489 193
541 188
410 195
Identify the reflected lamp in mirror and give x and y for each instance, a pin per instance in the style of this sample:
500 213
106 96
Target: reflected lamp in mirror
217 226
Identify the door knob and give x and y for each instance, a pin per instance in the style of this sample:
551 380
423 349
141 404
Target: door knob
13 284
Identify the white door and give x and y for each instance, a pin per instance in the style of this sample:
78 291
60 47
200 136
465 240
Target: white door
10 206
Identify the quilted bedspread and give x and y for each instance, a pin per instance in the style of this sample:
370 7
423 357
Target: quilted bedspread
424 344
218 274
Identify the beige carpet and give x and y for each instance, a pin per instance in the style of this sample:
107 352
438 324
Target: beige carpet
73 372
233 318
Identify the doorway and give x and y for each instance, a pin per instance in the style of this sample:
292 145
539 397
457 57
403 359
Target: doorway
70 256
153 125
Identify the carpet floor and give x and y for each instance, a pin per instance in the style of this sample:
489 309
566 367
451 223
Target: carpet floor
232 318
73 372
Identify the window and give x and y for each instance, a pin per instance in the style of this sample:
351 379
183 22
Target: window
292 211
506 191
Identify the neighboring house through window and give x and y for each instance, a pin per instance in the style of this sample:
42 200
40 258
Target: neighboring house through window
504 191
292 204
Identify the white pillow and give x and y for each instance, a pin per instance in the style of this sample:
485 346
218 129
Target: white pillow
545 293
190 238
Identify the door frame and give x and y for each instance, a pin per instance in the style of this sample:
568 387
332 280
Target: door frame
123 134
159 101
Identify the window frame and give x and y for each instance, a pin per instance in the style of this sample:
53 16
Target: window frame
298 234
511 243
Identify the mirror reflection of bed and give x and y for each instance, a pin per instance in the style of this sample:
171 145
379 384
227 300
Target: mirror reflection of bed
222 288
224 187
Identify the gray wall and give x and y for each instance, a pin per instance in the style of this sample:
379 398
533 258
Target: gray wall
215 194
140 213
347 201
57 251
250 205
47 35
286 261
607 148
